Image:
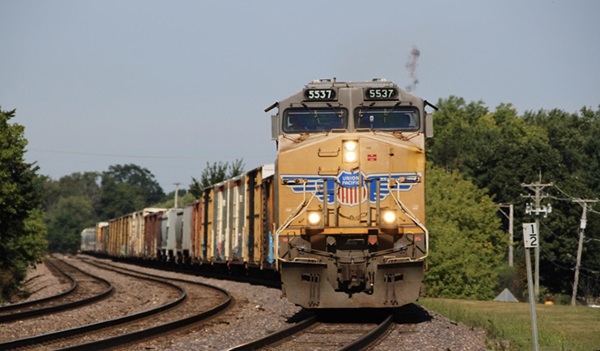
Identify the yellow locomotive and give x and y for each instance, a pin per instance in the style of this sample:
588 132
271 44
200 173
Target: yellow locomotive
350 194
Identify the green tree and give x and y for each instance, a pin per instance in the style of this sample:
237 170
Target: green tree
118 198
574 136
497 151
81 184
139 177
49 191
184 198
466 245
21 230
215 173
33 242
67 202
71 216
127 188
74 188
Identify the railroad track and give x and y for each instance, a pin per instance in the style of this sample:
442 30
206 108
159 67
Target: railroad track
316 333
142 325
85 288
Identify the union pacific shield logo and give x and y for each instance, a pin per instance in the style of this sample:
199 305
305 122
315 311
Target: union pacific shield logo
352 188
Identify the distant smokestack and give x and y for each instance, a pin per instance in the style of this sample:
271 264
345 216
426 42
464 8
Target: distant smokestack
411 67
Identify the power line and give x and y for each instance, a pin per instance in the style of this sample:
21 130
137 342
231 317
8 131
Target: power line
565 265
548 254
98 154
557 198
564 193
570 198
591 210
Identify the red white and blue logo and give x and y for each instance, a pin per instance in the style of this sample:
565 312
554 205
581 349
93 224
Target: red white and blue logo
352 187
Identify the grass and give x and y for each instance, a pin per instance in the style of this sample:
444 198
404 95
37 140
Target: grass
560 328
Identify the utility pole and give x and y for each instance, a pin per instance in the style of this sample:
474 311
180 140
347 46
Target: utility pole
584 204
176 192
510 217
537 211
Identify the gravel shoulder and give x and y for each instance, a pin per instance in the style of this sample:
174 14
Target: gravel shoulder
42 282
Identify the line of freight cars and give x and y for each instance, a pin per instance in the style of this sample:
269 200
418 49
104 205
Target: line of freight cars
231 225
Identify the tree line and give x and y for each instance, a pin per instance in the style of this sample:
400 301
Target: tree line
477 159
499 151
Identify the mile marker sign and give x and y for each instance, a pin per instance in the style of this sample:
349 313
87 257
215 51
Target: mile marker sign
530 235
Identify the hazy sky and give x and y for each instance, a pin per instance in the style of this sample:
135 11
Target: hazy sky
172 85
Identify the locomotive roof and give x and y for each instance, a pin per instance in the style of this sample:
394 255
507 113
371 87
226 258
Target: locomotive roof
376 83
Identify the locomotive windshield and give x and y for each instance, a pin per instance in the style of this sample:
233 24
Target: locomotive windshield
386 118
314 120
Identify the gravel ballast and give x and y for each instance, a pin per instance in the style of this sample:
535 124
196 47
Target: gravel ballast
259 311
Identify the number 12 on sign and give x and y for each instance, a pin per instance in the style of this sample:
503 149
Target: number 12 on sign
530 235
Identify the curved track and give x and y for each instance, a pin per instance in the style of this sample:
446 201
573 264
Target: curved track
311 334
143 326
85 288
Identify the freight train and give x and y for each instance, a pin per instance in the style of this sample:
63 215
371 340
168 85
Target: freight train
339 217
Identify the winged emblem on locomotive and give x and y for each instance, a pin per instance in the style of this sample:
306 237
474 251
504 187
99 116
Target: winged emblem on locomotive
353 188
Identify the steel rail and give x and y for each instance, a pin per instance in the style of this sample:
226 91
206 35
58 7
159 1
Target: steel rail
38 339
59 307
276 336
105 265
150 332
23 304
137 336
359 344
370 337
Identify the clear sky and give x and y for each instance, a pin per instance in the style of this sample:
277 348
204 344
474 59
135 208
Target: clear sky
172 85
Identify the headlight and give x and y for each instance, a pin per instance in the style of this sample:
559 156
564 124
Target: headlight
350 156
388 220
350 145
314 218
389 217
350 151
